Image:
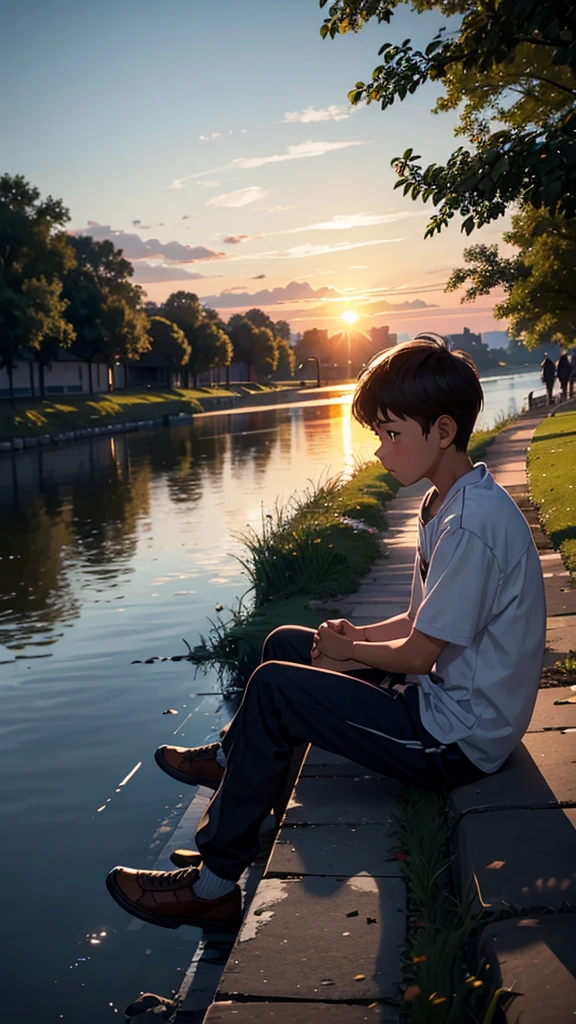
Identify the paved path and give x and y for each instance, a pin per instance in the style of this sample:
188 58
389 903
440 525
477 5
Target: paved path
322 937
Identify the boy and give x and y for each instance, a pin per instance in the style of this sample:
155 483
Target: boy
446 690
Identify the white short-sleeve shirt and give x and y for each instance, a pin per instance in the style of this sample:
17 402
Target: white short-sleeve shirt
478 585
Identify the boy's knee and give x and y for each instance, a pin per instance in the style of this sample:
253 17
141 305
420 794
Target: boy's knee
274 639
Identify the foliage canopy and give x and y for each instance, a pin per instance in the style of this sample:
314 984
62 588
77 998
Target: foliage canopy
509 66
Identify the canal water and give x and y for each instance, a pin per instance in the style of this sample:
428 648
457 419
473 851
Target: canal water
115 550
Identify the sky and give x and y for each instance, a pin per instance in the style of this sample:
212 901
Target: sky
213 142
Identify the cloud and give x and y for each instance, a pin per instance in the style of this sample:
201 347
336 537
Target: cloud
300 251
150 273
207 183
295 291
310 115
135 248
212 135
273 209
135 223
235 239
241 197
344 222
258 277
302 151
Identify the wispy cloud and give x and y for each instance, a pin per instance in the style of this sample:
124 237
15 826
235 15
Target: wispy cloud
212 135
302 151
310 115
273 209
343 222
207 183
235 239
241 197
301 251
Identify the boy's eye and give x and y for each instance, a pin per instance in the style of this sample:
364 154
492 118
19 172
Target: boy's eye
392 434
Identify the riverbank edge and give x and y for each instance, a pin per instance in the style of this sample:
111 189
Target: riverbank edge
195 405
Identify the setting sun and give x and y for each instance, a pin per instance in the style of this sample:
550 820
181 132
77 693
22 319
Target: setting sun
349 316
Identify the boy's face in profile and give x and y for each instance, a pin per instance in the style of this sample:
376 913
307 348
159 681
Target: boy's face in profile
405 451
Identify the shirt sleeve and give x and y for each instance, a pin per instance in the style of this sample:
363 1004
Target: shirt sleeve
460 589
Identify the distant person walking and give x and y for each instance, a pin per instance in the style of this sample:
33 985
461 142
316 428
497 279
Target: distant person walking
563 372
572 378
548 375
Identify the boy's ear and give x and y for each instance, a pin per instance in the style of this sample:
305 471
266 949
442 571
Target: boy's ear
447 430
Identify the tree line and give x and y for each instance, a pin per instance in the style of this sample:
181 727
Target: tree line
61 291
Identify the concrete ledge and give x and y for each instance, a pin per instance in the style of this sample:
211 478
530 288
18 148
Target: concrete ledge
363 800
523 857
310 939
303 1013
536 959
535 775
334 850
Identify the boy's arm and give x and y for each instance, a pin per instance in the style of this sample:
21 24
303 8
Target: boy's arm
390 629
415 654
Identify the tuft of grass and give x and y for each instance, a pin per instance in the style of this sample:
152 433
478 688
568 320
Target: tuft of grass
439 986
551 461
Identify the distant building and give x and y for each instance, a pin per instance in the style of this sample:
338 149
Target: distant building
382 337
467 341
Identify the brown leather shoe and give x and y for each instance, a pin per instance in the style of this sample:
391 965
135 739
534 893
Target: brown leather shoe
186 858
168 899
197 766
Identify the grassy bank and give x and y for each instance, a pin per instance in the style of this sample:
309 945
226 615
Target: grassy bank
551 463
31 417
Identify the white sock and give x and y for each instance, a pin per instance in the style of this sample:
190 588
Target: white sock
221 758
210 886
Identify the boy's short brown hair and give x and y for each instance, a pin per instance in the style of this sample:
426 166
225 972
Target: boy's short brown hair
421 380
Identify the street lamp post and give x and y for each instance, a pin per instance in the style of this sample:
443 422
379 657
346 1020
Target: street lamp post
312 359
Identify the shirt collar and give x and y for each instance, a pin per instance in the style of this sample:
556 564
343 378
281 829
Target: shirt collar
476 475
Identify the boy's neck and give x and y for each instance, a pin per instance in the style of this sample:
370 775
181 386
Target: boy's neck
448 469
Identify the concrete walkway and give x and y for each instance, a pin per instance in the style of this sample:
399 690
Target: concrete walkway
322 937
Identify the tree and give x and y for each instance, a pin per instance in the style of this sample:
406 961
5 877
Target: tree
34 256
254 345
205 332
538 282
282 330
169 343
104 307
510 67
212 347
286 359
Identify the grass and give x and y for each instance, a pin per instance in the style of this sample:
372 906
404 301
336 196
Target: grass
32 417
440 988
551 462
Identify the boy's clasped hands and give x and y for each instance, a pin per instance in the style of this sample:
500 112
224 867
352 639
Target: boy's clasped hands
333 643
